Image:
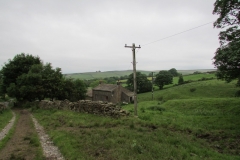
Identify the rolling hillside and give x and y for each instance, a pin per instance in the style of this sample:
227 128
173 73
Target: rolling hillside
92 75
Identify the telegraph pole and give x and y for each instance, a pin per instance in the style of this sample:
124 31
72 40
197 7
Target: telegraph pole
134 76
152 86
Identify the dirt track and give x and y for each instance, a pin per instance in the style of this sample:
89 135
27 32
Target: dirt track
21 145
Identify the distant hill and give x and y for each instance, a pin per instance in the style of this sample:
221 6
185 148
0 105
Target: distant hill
93 75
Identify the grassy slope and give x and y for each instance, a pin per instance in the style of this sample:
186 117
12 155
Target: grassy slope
204 89
184 125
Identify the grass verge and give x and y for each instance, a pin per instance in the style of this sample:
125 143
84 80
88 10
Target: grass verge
5 117
35 142
10 133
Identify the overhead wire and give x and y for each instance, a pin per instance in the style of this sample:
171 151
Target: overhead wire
174 35
177 34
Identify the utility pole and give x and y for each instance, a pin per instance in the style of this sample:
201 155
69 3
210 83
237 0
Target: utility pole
134 76
152 86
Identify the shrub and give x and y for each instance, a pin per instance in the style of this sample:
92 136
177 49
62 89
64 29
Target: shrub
156 108
192 89
180 80
237 94
132 126
142 109
145 117
196 72
160 98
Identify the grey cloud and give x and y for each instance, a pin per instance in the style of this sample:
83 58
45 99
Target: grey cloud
81 36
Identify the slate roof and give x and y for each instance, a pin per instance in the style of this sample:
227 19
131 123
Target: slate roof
105 87
127 92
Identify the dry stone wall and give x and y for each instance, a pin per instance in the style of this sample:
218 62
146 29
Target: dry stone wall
3 106
85 106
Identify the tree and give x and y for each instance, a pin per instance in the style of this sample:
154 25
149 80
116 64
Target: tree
180 80
163 78
228 11
29 87
111 80
174 72
39 83
31 79
96 83
19 65
52 80
72 90
2 94
79 90
143 84
227 56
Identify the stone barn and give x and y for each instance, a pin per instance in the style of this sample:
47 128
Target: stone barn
89 95
114 93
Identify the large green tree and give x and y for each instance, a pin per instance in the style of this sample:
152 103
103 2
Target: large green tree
143 84
227 56
163 78
26 78
14 68
40 82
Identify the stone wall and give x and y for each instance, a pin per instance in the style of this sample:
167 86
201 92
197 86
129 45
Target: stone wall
85 106
3 106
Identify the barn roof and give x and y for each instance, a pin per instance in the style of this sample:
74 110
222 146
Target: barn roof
106 87
127 92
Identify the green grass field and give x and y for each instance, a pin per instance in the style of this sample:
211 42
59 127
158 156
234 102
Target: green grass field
203 89
99 75
178 124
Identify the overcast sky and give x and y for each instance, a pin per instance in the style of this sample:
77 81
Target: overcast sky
89 35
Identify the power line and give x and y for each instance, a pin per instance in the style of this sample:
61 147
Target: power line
177 33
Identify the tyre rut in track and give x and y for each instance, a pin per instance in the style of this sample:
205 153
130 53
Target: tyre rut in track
21 145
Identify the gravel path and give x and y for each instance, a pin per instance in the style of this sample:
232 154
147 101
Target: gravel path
49 150
22 145
5 130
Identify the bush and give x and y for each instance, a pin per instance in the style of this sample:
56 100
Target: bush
132 126
204 79
237 94
156 108
180 80
142 109
145 117
192 89
160 98
196 72
188 81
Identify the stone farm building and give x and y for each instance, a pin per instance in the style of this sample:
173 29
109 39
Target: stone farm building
114 93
